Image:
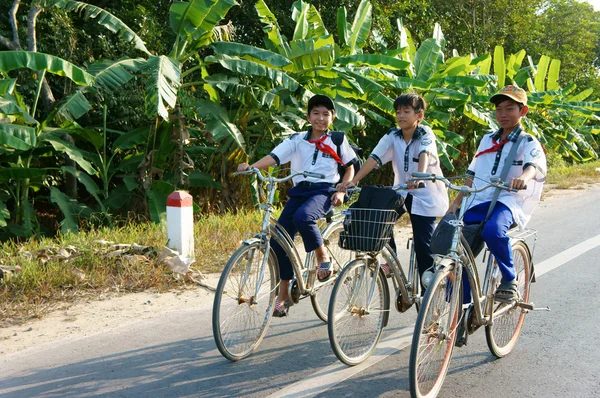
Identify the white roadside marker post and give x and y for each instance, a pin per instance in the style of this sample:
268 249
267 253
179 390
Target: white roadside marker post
180 224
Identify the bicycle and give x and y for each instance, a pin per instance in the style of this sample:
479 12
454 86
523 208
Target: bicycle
249 284
435 331
359 307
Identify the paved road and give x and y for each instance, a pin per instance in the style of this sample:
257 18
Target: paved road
174 355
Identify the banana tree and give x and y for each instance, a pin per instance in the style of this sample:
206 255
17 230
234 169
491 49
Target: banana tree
28 145
561 118
166 78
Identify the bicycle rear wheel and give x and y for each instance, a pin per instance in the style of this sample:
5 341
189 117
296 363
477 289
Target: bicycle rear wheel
503 333
355 328
435 333
243 305
339 258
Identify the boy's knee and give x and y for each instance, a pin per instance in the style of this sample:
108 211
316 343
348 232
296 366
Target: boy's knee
491 232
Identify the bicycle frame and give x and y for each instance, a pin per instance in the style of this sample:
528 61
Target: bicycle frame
270 228
483 303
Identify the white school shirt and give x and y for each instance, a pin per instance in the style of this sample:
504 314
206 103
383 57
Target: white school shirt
529 153
431 201
305 156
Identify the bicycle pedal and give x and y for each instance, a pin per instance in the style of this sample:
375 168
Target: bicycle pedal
532 307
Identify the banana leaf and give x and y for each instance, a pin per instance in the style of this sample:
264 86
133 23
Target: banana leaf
11 60
17 136
106 19
157 200
111 75
427 59
72 152
361 26
87 182
343 27
218 123
199 179
274 40
73 106
21 173
162 85
194 21
245 67
256 54
375 61
500 65
7 86
308 21
68 207
540 76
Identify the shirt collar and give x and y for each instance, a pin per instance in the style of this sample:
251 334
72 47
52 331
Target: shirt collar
511 137
419 131
309 133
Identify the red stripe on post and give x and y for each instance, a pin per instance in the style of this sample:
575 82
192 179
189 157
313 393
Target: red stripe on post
179 199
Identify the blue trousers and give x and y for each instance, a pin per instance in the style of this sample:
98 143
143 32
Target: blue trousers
494 235
422 231
305 206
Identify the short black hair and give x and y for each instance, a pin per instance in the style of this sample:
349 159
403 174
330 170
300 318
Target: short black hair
503 98
411 99
320 100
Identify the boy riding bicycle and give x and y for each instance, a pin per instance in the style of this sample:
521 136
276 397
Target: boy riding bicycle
310 198
411 147
526 174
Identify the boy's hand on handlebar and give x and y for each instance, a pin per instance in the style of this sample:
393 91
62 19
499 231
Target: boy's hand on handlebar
414 184
453 208
337 198
243 167
518 183
344 185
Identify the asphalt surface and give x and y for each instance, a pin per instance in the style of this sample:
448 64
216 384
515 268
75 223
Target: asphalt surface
175 355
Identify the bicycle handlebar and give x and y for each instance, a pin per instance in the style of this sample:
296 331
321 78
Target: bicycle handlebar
462 188
265 177
399 187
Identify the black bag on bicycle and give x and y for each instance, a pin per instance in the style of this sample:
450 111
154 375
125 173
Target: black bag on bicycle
441 240
369 222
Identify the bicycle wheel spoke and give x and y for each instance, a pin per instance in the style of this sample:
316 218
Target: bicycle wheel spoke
321 294
242 308
435 334
354 326
503 334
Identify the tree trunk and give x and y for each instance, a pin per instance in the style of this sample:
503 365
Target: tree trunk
48 99
12 18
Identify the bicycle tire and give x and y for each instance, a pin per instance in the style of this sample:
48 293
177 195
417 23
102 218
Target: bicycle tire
503 333
239 319
353 334
435 333
340 257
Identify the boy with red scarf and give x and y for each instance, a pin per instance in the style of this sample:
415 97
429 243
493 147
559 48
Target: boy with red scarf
310 198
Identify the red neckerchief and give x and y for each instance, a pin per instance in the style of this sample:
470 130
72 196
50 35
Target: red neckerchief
494 148
321 146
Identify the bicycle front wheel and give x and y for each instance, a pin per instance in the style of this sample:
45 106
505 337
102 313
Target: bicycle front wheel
503 333
244 301
355 322
339 258
435 333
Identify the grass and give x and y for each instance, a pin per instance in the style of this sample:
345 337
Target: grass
564 176
58 271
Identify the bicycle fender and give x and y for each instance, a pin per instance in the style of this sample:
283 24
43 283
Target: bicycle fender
254 239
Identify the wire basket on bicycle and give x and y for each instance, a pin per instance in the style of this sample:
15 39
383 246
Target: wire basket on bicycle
369 222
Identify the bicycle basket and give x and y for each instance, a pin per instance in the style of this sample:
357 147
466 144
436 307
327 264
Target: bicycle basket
367 230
